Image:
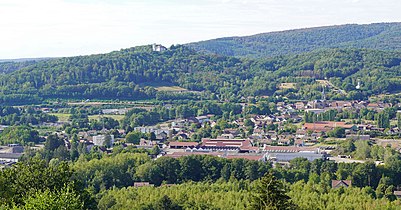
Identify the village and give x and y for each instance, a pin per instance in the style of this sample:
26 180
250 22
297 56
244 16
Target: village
292 130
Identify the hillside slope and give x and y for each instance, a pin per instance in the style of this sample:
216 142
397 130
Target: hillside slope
134 73
381 36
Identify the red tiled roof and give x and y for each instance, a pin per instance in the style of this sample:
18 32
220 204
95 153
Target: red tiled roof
181 154
336 183
226 142
183 144
325 125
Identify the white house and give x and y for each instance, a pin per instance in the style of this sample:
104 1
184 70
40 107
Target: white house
99 140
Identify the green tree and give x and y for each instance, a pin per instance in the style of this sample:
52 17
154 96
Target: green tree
133 137
362 150
269 193
66 198
107 141
337 132
165 203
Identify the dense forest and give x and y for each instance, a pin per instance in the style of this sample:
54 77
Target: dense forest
135 73
10 66
381 36
96 180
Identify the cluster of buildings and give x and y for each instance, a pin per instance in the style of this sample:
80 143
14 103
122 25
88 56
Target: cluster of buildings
275 145
10 154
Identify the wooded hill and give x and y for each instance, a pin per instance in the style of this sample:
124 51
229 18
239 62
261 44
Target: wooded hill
381 36
133 73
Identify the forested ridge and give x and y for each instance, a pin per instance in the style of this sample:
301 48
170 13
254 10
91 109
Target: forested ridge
132 74
381 36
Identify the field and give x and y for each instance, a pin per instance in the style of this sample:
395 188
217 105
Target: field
65 117
287 85
114 116
164 86
170 88
62 117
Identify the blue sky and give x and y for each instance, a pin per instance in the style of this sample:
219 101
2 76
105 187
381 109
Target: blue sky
52 28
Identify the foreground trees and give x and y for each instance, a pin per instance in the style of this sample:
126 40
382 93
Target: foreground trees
38 185
269 193
217 184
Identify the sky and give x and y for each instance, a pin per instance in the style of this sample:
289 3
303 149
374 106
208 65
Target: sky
56 28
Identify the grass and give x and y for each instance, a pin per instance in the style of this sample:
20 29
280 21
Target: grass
65 117
170 88
287 85
117 117
62 117
164 86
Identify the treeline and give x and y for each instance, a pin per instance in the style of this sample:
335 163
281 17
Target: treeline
99 171
237 195
8 67
131 74
36 184
108 178
24 116
373 36
23 135
123 169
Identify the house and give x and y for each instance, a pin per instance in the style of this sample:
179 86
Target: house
340 183
182 135
340 104
300 105
397 194
143 184
227 144
162 136
316 104
325 126
234 132
202 119
377 106
115 111
147 143
15 148
315 111
299 143
283 140
182 145
158 48
226 136
10 157
100 140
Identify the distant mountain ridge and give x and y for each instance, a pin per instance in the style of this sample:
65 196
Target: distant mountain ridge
379 36
133 74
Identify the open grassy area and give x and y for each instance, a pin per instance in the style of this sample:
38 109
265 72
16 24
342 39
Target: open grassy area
62 117
287 85
164 86
114 116
170 88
